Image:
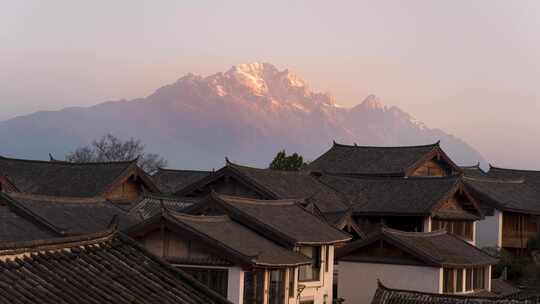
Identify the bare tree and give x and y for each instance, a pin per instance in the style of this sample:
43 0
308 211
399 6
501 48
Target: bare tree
111 148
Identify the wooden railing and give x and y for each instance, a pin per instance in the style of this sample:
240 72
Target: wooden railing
517 239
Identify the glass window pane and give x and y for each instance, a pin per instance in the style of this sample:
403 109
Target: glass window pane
468 279
291 283
310 272
327 258
478 278
277 287
254 287
448 280
459 280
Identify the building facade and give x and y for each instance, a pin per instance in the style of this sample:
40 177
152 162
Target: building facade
434 262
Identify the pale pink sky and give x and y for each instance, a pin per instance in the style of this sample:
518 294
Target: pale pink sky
471 68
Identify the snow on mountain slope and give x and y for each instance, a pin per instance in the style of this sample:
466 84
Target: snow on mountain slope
247 113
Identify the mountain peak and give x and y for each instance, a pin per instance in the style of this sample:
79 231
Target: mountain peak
265 78
250 111
372 102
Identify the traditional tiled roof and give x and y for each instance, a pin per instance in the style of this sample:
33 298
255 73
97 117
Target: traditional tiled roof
105 267
398 195
170 181
275 184
16 224
473 171
385 295
72 216
342 219
503 288
517 195
239 240
284 221
505 173
438 248
151 204
346 159
59 178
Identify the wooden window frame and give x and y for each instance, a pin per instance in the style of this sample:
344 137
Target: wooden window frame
464 280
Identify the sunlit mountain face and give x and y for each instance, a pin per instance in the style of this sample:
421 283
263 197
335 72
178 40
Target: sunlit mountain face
247 113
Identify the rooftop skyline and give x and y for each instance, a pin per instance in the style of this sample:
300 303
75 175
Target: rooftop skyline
470 69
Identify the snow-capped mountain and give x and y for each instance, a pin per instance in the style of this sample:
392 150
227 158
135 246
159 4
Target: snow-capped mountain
247 113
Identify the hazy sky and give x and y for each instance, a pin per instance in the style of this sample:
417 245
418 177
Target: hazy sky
471 68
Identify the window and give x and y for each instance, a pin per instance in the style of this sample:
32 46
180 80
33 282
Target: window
291 282
453 279
463 229
310 272
254 287
478 275
216 279
276 293
448 280
468 279
327 258
459 280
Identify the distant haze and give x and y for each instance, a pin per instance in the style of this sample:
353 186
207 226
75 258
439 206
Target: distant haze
470 68
247 113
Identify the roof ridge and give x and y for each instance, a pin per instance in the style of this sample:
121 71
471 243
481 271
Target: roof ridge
254 201
488 179
58 162
390 177
229 163
59 243
200 218
184 170
514 170
58 199
293 202
165 196
436 144
415 234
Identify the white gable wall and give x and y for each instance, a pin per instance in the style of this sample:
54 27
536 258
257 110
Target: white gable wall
235 285
489 231
358 281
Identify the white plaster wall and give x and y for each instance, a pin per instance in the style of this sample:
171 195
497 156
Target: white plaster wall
489 230
358 281
235 285
321 292
474 227
487 275
427 224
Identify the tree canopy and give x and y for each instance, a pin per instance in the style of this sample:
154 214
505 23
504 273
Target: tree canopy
285 162
111 148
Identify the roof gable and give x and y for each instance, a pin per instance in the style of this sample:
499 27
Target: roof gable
437 248
224 237
362 160
275 184
513 195
415 196
284 221
59 178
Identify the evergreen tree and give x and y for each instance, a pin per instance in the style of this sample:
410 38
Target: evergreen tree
285 162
